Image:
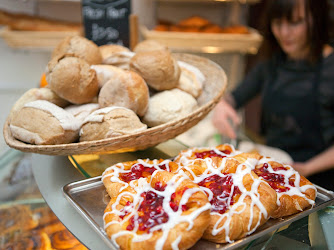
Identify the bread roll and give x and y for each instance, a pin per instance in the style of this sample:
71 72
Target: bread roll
167 106
110 122
191 79
116 55
149 45
35 94
158 68
42 122
125 89
80 112
105 72
78 46
72 79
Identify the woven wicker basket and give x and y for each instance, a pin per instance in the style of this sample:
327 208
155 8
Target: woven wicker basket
214 87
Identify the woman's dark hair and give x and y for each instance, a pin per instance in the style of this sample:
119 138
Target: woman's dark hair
317 24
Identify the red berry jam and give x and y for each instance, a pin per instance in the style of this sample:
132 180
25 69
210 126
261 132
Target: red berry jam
150 211
139 170
221 187
211 153
276 181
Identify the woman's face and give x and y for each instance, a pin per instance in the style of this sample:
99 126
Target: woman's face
291 35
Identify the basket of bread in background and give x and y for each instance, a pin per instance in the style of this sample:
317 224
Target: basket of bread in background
210 37
99 99
31 32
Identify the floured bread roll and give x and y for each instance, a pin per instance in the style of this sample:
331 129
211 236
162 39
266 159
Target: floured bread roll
191 79
44 123
78 46
149 45
35 94
158 68
125 88
105 72
116 55
80 112
110 122
167 106
72 79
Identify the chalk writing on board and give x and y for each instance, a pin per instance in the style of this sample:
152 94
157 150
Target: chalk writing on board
107 21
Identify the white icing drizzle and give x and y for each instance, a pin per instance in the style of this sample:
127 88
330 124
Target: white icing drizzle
288 173
175 217
199 75
66 119
241 171
119 168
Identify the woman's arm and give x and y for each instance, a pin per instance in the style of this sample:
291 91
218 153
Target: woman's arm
319 163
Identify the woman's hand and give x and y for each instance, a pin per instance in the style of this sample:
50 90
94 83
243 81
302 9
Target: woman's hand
302 168
225 119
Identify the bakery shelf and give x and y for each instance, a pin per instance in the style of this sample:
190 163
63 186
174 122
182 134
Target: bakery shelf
207 1
205 42
41 40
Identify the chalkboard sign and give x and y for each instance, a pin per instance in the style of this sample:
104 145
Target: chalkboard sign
107 21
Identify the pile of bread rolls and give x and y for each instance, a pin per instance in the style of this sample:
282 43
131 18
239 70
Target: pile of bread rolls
95 93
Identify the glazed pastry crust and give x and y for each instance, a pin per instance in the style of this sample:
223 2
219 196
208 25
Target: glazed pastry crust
113 187
189 237
291 204
246 216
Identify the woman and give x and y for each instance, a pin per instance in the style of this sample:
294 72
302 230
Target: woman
297 88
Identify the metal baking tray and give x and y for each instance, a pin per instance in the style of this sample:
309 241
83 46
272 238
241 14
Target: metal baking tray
90 198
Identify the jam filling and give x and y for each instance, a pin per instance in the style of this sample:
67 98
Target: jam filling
150 211
139 170
211 153
221 187
276 181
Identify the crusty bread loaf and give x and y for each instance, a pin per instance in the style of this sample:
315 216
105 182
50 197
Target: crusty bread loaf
110 122
35 94
116 55
191 79
125 88
42 122
149 45
80 112
158 68
105 72
80 47
72 79
167 106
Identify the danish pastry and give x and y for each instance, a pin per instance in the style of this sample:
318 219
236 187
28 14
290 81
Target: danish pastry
117 177
241 201
294 192
110 122
44 123
162 211
15 218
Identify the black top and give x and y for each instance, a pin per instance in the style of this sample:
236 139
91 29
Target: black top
297 104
